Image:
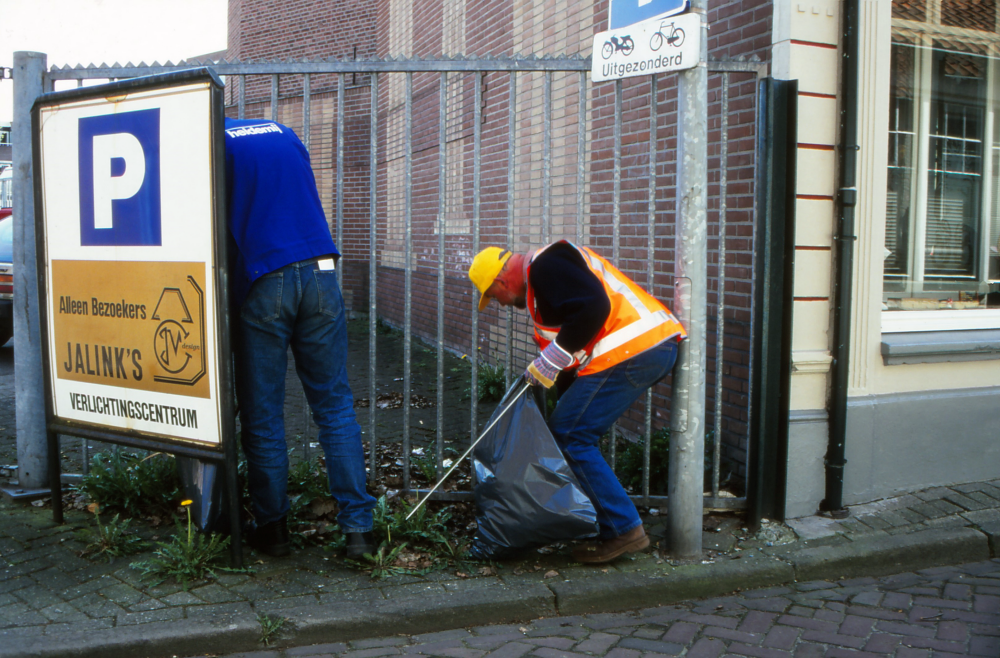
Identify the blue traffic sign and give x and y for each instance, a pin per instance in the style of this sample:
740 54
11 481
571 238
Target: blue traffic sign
629 12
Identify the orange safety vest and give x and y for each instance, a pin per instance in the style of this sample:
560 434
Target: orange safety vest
636 323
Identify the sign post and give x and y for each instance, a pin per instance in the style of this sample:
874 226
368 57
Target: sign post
648 37
131 244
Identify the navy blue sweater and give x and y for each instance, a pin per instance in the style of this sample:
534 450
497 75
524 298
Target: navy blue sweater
275 215
568 295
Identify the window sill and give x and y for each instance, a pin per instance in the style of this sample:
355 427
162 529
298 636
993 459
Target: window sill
940 346
939 321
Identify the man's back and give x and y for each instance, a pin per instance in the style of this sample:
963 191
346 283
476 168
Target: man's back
275 214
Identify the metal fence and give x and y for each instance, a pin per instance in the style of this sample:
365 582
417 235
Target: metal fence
551 169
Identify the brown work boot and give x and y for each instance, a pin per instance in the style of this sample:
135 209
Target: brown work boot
604 551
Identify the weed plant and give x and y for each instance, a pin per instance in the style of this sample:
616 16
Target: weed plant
188 556
425 533
131 484
426 466
270 628
307 482
110 540
382 563
629 459
492 382
628 463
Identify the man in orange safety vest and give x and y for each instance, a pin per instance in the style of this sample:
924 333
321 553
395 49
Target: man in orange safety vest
604 341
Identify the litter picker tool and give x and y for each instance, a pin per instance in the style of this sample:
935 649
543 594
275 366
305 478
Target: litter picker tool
474 444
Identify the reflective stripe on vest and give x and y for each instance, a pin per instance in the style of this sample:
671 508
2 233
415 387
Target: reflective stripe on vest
637 322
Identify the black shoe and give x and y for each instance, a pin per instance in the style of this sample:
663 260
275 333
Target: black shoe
359 543
271 538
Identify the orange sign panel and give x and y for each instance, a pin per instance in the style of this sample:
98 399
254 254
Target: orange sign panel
137 325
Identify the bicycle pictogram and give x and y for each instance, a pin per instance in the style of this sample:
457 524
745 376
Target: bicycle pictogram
673 35
625 45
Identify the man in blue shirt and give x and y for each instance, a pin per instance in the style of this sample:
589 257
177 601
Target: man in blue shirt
285 288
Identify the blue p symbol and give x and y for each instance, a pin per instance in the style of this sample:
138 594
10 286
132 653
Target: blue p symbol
120 179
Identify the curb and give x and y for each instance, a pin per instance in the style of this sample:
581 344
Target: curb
481 602
992 531
631 591
468 603
181 637
884 555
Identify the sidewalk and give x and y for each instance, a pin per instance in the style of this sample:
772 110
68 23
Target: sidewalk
55 603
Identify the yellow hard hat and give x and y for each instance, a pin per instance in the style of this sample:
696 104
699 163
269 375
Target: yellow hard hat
485 268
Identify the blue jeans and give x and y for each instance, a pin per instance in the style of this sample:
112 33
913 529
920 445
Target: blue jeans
301 306
587 409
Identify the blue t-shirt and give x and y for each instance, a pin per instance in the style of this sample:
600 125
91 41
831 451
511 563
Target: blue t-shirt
275 215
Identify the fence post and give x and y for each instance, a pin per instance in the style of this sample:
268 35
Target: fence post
687 416
29 408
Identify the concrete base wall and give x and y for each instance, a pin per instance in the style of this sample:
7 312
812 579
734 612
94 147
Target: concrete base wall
910 441
897 444
807 442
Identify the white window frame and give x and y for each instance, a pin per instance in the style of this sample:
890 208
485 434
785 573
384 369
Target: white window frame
923 35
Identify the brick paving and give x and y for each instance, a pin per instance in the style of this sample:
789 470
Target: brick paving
933 613
46 588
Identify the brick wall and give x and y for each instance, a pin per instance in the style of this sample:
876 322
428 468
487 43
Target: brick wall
262 29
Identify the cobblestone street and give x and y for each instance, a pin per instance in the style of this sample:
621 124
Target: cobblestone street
933 613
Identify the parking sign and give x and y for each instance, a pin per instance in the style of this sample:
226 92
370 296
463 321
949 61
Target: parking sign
130 233
624 13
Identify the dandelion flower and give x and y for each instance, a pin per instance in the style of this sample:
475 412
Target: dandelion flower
185 503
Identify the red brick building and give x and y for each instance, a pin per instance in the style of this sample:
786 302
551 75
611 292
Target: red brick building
513 196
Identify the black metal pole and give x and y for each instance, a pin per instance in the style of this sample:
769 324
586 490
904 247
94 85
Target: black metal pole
773 263
227 406
844 282
55 477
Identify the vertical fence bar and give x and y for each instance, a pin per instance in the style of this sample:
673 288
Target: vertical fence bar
581 145
408 276
754 362
720 318
274 97
242 110
306 123
84 442
306 120
511 179
372 277
616 218
547 158
341 77
650 265
442 201
477 142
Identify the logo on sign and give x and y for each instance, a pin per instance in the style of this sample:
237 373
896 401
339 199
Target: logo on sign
177 340
120 179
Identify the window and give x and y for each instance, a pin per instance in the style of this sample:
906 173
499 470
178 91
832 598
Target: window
943 198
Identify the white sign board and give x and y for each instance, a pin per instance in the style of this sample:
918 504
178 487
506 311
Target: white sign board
656 46
126 188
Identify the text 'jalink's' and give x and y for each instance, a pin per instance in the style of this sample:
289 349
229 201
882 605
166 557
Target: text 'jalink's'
109 361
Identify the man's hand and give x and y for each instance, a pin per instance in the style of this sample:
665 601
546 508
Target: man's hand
546 366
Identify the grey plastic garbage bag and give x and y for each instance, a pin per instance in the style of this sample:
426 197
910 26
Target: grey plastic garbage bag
525 492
